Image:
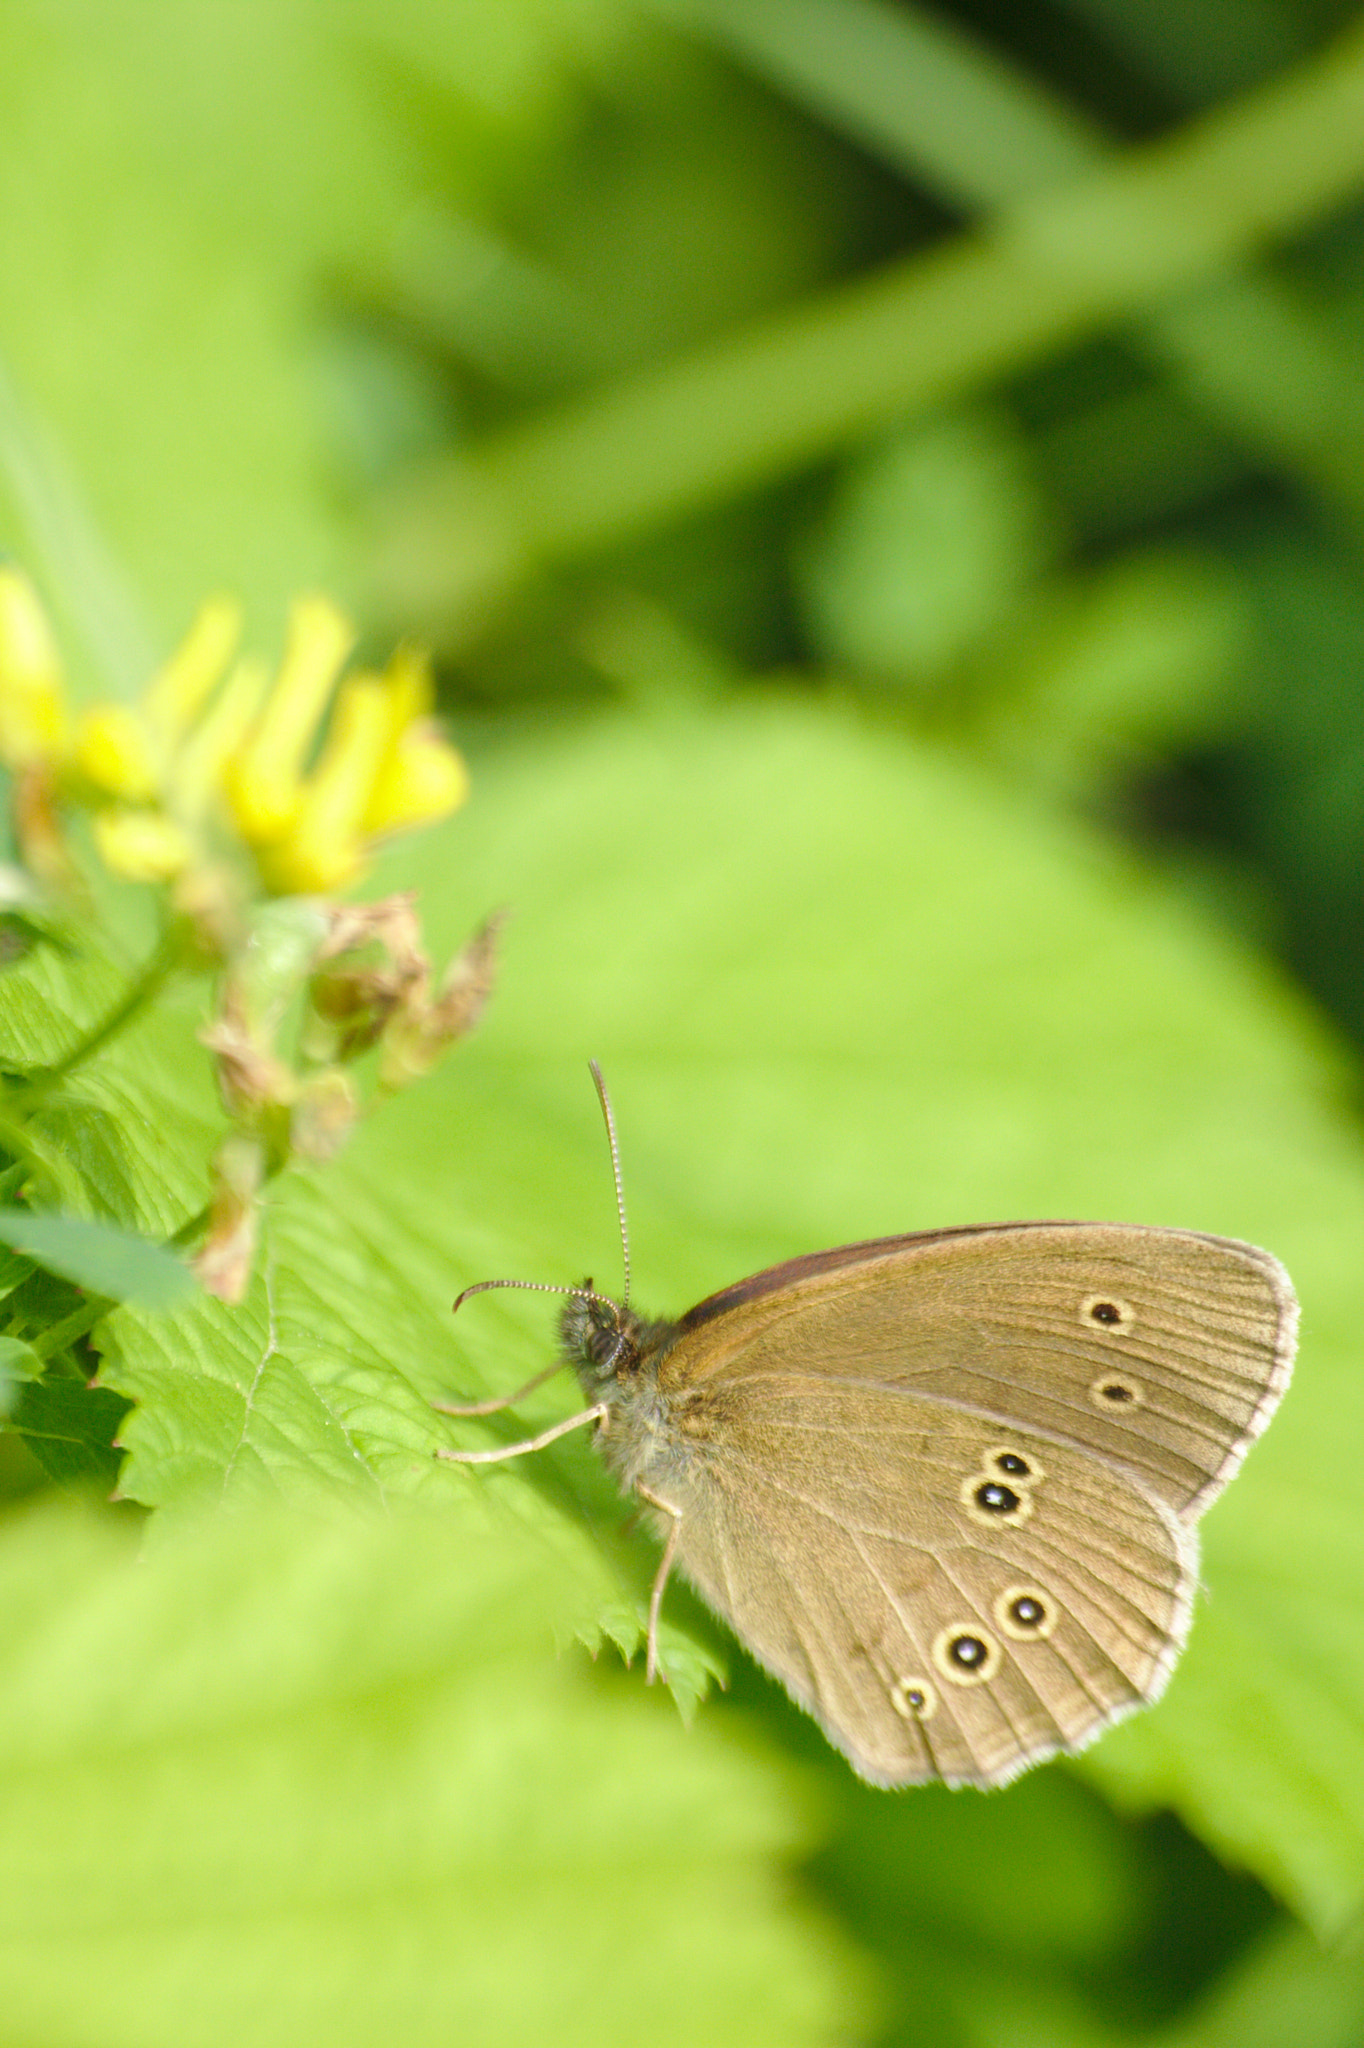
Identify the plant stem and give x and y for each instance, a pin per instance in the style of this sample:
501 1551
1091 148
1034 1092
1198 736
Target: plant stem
1146 233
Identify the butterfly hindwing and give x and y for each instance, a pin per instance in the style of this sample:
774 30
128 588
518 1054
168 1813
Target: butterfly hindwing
948 1598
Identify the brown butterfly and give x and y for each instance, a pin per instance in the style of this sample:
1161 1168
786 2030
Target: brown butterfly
944 1485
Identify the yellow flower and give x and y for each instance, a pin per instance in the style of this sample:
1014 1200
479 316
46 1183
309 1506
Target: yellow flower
146 846
33 715
382 768
201 764
306 768
130 750
114 751
263 783
179 691
419 776
323 848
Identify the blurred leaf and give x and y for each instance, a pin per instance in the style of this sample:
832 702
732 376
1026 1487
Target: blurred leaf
687 202
1105 672
1133 458
928 571
99 1258
840 989
1219 46
1298 816
13 1272
1253 350
787 391
917 88
18 1362
1289 1990
71 1429
288 1781
938 1870
246 159
930 543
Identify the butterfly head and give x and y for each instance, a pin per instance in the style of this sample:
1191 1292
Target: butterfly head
613 1351
601 1338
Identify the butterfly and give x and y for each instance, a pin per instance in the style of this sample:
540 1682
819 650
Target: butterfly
944 1486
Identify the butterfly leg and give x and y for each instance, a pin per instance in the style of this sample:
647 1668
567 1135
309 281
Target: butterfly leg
499 1401
665 1507
530 1443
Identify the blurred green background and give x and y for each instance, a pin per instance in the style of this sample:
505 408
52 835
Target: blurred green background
886 491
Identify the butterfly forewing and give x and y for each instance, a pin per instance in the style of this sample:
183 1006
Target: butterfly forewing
1160 1352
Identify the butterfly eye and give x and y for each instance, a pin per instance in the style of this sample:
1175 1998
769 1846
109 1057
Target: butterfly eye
1013 1465
966 1654
1025 1612
1110 1312
914 1699
1116 1390
990 1501
996 1499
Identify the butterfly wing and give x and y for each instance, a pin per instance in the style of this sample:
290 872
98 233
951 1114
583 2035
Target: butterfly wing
1159 1351
939 1614
904 1480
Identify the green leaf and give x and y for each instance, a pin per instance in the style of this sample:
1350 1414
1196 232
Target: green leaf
1289 1989
328 1780
14 1270
71 1429
840 988
18 1362
137 1160
99 1258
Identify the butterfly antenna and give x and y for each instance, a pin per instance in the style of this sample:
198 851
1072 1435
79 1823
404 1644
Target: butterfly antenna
605 1101
530 1287
501 1401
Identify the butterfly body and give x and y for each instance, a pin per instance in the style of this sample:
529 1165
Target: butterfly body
944 1486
